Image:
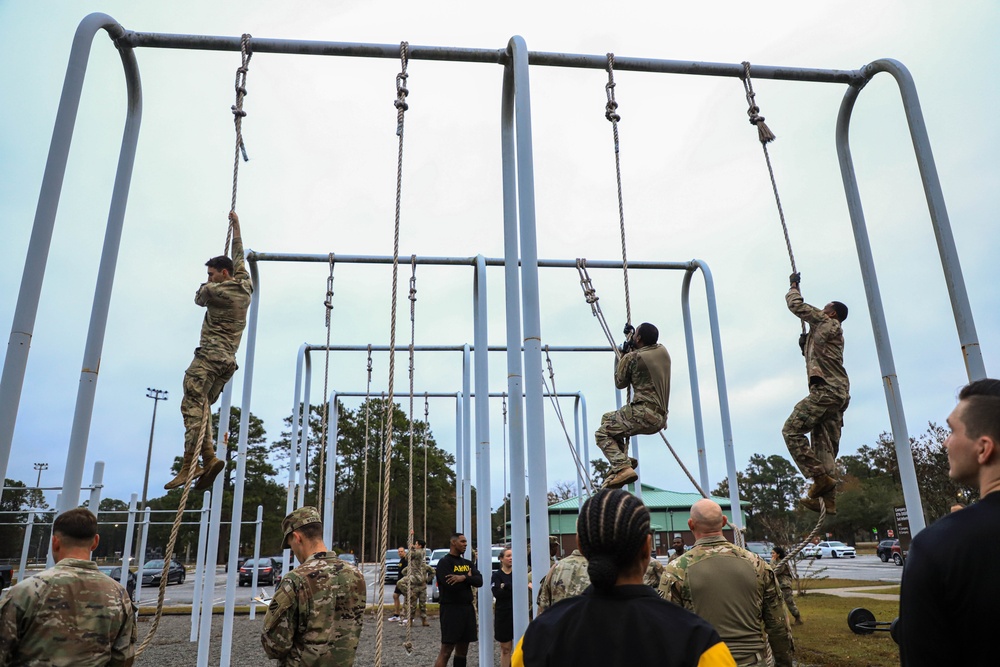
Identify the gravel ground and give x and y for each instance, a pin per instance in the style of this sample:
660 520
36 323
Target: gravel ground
171 648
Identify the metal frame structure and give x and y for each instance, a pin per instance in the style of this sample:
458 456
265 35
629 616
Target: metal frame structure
523 325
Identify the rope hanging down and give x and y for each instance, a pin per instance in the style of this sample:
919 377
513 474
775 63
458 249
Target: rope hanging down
766 136
401 107
590 294
408 645
427 426
328 304
238 114
611 113
364 493
581 469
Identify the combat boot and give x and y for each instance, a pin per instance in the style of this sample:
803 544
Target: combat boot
813 503
822 484
634 462
617 480
212 467
182 476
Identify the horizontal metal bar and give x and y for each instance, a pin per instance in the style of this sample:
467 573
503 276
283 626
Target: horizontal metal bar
254 256
449 348
490 56
445 394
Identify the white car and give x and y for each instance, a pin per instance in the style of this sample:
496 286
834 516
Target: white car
437 555
810 551
835 549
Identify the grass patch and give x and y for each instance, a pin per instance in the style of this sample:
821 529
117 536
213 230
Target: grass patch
818 584
825 639
888 589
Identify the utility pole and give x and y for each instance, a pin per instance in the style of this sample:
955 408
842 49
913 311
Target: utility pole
157 395
40 467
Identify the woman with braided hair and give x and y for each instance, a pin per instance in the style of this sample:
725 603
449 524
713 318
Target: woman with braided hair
618 620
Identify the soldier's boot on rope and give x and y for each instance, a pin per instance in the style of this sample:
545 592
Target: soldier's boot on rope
822 484
212 465
617 480
829 499
182 475
634 462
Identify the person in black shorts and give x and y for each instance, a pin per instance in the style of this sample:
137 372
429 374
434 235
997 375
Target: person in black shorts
457 577
503 612
396 592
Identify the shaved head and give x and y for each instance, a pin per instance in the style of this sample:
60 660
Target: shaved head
706 517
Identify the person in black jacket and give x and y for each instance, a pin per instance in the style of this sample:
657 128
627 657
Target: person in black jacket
503 612
457 577
618 621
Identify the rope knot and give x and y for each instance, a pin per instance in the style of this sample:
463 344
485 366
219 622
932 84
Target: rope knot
239 113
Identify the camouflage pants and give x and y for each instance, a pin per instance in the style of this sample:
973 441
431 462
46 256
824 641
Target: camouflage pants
821 414
416 597
203 381
616 426
786 592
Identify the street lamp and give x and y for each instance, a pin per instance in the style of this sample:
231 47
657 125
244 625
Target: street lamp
40 467
157 395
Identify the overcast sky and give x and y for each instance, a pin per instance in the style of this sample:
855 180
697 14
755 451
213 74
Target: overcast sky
320 133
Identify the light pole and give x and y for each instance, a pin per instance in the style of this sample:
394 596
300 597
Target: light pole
157 395
40 467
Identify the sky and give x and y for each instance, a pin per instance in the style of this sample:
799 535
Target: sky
320 133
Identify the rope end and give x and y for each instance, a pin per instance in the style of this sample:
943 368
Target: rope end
764 133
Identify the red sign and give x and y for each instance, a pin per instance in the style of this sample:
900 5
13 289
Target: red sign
889 533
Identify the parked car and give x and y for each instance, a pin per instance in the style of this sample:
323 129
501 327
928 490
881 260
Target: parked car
834 549
762 549
898 557
884 550
348 558
153 569
495 558
436 592
810 551
437 555
391 566
268 572
115 572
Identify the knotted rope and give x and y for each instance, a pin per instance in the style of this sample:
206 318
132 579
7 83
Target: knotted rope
401 107
809 538
238 114
410 603
328 304
611 113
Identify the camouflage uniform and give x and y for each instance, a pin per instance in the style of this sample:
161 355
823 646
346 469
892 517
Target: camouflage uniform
785 580
821 413
653 573
316 614
648 371
214 361
70 614
413 583
743 603
567 578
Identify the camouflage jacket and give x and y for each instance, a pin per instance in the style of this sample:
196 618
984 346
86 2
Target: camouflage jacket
648 371
565 579
824 348
316 614
226 306
735 591
69 615
653 573
417 571
786 577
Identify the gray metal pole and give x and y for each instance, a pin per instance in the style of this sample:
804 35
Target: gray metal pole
512 301
579 452
692 362
294 438
141 560
23 325
95 488
465 463
331 470
880 329
211 558
534 410
304 441
459 495
484 523
256 560
200 566
241 471
26 546
127 547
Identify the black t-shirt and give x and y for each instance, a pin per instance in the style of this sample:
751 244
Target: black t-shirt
460 592
503 592
951 589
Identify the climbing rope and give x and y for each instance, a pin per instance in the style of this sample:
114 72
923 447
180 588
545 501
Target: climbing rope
238 115
174 529
611 113
401 107
581 468
590 294
809 538
766 136
364 492
408 645
427 426
328 304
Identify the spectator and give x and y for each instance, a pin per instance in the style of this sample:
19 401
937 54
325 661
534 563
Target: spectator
503 612
947 606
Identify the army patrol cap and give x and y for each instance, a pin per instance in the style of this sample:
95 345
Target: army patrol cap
303 516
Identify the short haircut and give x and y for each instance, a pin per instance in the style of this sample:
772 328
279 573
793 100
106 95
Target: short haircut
840 309
612 527
648 333
220 263
421 544
981 415
311 532
455 536
77 527
780 551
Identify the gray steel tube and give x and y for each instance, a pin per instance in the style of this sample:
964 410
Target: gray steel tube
512 304
890 383
464 465
699 424
484 523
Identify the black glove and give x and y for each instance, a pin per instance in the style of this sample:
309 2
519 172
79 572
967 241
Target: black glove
626 347
802 343
795 278
628 330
